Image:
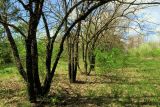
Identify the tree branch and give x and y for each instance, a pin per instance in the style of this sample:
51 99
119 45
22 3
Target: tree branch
13 26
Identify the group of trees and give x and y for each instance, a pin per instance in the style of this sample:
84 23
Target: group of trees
83 24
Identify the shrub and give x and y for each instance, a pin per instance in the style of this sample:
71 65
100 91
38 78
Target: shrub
5 53
113 59
146 50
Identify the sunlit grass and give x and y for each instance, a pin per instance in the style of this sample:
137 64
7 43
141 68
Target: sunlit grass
135 84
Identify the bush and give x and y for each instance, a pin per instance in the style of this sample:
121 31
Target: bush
5 53
113 59
146 50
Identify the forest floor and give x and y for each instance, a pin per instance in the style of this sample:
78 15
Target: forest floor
132 86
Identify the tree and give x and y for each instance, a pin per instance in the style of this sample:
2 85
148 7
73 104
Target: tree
97 28
34 11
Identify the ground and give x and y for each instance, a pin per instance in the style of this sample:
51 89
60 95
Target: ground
138 84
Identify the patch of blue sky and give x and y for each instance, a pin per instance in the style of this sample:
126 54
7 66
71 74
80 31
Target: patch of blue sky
149 19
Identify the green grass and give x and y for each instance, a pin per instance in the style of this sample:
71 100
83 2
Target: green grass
135 84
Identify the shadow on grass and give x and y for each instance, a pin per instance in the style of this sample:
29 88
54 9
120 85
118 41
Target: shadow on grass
7 93
114 79
64 99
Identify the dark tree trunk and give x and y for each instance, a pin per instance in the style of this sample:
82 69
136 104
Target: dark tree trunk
92 59
47 84
30 82
15 53
76 57
73 54
34 85
35 65
92 56
69 58
72 79
72 66
34 52
83 49
86 59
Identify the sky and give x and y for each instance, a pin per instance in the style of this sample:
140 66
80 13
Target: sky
154 14
151 14
151 27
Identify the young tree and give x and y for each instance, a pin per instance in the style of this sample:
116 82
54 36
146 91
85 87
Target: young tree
94 30
104 26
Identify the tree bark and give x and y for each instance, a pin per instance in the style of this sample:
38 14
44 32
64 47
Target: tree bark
30 82
15 53
92 59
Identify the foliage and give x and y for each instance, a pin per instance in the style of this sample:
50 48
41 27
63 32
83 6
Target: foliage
146 50
112 59
135 57
5 53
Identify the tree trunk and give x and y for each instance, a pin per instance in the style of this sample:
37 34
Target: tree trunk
92 59
35 66
92 56
47 84
15 53
71 63
30 82
34 85
73 54
85 59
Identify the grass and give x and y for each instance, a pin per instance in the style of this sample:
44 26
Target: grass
137 84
